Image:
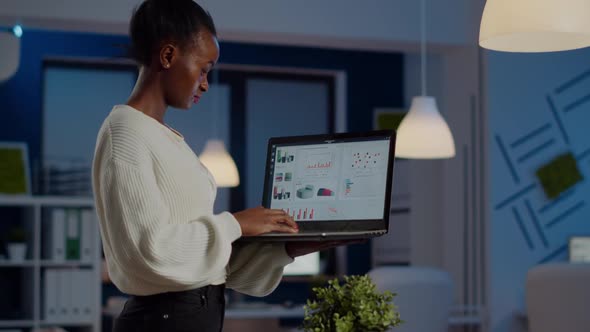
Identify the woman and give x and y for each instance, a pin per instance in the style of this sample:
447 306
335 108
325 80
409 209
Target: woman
163 244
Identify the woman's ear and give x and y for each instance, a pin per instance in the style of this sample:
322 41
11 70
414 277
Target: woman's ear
168 54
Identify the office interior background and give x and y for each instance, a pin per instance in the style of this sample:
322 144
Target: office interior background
485 218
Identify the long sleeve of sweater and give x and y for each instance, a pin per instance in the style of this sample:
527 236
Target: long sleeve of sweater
256 268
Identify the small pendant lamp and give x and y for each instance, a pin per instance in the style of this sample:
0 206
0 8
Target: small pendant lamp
423 132
215 156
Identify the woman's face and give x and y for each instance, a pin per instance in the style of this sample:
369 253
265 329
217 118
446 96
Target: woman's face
185 71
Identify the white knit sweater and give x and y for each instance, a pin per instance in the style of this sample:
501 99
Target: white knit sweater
154 200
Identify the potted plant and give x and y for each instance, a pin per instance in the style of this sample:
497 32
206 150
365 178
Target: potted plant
16 244
352 306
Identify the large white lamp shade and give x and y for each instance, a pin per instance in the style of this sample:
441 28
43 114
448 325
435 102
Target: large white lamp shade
535 25
9 54
423 133
220 164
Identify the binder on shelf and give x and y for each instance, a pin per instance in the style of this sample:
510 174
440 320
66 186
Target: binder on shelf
83 300
75 306
88 234
57 240
73 234
63 297
66 296
51 286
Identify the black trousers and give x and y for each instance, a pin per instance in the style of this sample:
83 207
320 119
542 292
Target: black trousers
197 310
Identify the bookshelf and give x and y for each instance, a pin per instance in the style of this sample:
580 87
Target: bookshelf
80 271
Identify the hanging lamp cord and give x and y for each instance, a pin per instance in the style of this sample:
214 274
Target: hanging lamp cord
423 44
216 96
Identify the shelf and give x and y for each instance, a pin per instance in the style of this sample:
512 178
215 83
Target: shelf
43 275
465 315
464 320
45 263
49 263
62 323
8 263
264 311
6 200
16 323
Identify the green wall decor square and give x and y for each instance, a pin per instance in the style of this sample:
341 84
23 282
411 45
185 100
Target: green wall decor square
14 169
387 118
559 175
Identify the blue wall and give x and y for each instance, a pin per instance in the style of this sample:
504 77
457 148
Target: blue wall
374 80
539 108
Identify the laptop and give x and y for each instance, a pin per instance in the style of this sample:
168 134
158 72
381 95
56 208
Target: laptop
335 186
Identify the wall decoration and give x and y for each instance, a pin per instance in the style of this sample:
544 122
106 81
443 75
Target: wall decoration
559 175
14 169
540 149
387 118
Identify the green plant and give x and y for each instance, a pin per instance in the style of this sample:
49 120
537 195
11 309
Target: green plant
352 306
16 235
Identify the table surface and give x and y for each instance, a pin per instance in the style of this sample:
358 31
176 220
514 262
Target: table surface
254 310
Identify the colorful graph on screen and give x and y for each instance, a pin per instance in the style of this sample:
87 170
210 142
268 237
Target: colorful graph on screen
319 160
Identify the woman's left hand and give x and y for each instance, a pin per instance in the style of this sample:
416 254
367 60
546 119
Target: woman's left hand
296 248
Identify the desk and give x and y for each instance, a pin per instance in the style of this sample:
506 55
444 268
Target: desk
265 317
268 311
257 311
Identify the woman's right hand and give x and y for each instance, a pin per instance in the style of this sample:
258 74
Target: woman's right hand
260 220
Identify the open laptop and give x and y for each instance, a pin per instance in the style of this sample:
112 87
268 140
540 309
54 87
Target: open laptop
335 186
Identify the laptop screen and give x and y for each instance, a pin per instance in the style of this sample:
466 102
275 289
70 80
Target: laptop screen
338 177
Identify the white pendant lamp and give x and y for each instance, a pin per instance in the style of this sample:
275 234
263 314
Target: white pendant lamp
215 156
220 164
10 52
535 25
423 133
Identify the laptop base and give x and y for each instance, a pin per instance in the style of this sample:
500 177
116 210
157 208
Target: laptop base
312 236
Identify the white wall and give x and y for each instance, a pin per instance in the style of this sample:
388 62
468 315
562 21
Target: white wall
374 24
448 197
425 175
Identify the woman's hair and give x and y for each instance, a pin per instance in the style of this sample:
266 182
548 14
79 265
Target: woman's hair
157 21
